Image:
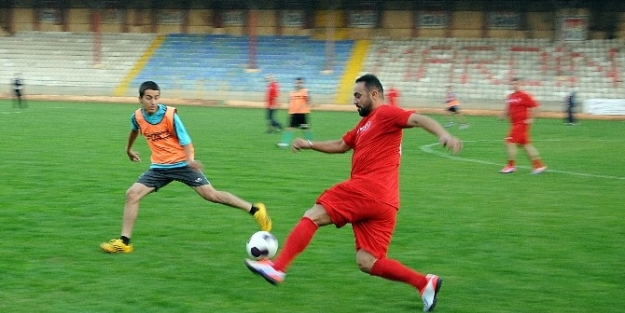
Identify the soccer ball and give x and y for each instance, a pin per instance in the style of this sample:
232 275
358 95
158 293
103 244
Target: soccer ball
262 245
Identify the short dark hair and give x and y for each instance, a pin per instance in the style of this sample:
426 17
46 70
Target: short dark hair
147 85
516 79
371 82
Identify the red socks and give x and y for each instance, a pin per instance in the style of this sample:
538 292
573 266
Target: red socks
393 270
302 234
295 243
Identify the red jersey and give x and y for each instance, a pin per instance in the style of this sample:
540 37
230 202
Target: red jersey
376 141
519 103
273 91
392 96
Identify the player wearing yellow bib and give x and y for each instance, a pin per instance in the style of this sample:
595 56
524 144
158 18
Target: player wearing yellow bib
299 110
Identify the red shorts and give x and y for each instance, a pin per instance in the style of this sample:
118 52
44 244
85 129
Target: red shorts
519 134
373 221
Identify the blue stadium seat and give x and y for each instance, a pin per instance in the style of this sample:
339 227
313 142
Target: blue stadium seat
221 61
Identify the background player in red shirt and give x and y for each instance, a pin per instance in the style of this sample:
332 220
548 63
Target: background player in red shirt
369 199
520 107
392 96
271 104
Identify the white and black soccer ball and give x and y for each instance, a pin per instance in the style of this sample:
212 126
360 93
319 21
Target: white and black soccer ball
262 245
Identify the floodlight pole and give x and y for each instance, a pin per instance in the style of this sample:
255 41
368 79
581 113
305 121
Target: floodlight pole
253 40
330 41
97 39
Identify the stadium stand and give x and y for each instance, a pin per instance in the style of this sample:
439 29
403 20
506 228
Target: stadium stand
221 63
480 68
52 60
421 67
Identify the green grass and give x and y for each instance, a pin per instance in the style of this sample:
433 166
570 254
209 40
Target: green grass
502 243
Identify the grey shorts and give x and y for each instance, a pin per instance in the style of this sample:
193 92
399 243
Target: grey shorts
158 177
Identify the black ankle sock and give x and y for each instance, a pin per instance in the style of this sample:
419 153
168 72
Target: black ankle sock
125 240
253 210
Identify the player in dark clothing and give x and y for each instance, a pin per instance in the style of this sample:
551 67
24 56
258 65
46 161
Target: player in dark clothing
570 107
18 87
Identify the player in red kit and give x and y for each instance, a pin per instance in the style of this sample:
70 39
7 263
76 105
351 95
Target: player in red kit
519 110
392 96
271 104
369 199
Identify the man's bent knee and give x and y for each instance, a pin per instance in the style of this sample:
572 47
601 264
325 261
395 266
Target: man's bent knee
365 261
137 191
318 215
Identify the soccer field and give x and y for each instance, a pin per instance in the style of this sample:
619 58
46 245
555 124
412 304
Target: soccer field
502 243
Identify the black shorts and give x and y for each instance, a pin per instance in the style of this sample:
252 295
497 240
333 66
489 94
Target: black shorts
159 177
453 109
17 92
299 120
